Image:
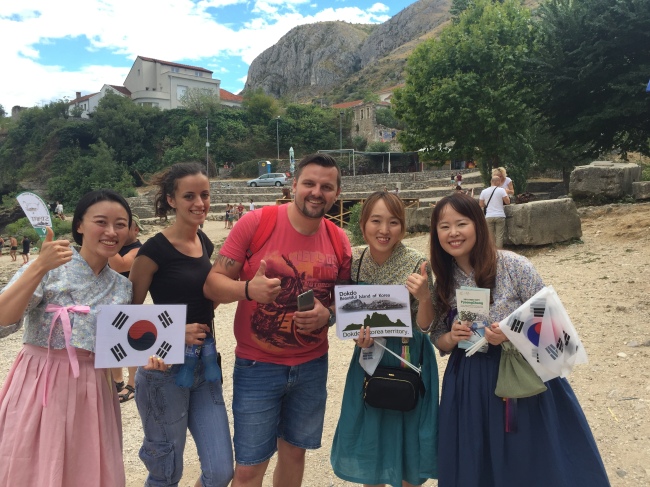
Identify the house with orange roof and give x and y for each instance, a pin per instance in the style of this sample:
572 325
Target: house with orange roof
230 99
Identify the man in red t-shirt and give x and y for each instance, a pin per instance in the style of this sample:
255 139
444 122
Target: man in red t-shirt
279 382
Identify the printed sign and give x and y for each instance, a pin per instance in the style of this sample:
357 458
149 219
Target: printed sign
36 211
385 309
127 335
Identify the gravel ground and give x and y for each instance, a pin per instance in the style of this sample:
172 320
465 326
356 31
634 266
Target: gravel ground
603 283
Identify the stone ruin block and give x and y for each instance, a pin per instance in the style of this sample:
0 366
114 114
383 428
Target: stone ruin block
603 180
542 222
641 190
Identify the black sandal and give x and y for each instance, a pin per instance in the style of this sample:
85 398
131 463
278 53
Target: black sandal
119 386
128 395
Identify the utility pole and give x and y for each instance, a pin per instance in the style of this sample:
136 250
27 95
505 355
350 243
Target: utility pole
340 131
207 146
277 134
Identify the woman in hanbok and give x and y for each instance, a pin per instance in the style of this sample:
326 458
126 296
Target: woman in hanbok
60 422
374 446
548 442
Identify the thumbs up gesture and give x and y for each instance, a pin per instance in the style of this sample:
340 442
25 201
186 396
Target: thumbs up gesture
54 253
261 288
418 284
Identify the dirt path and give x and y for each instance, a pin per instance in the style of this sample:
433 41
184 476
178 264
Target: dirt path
604 284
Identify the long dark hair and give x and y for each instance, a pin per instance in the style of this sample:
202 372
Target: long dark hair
483 257
167 182
88 200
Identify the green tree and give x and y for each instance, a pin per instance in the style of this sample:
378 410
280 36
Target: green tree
126 128
466 94
201 101
260 107
94 171
192 148
3 113
592 66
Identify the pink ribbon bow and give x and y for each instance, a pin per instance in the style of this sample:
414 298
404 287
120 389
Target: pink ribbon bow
61 312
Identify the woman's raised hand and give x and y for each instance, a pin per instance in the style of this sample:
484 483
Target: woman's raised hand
54 253
418 284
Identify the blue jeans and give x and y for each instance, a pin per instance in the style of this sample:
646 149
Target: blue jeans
272 401
166 411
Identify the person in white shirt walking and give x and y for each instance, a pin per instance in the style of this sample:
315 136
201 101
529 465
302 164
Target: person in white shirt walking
492 200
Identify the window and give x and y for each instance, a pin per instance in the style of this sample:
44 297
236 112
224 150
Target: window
175 69
180 91
198 73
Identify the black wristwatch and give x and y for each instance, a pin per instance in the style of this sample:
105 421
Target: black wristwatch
332 319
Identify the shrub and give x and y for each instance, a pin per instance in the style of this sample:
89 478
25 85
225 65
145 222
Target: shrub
353 229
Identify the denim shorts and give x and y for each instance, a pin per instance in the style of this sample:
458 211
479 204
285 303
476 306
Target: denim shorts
272 401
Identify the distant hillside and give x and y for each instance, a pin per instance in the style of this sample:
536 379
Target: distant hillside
340 58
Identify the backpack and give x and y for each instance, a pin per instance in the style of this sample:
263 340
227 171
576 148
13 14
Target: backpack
267 225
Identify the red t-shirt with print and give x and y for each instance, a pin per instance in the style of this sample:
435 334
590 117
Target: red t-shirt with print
265 332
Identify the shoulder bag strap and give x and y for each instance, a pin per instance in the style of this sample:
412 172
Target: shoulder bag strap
486 204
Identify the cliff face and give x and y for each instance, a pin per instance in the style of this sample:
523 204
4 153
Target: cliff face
409 24
316 57
321 54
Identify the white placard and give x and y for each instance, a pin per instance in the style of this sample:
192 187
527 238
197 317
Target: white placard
128 334
386 309
36 211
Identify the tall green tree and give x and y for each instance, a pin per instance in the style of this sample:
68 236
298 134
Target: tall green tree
96 170
466 93
201 101
260 107
126 128
592 65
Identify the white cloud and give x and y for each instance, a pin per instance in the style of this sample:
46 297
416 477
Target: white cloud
173 30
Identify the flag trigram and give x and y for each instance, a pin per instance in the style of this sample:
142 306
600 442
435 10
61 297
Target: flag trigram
118 352
164 349
119 320
516 325
538 308
165 319
552 351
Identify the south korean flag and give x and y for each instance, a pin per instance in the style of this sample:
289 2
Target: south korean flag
543 333
127 335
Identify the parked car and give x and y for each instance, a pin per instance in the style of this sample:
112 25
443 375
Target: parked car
270 179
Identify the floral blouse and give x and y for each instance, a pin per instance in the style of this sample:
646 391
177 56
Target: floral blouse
73 283
516 282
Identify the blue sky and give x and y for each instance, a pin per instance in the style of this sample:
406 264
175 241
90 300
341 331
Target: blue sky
52 49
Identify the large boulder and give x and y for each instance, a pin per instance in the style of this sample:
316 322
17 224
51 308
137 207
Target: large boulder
603 180
542 222
418 219
641 190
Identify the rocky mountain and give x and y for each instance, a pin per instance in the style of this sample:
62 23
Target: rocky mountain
313 59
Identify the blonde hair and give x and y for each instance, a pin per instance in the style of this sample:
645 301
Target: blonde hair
499 171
